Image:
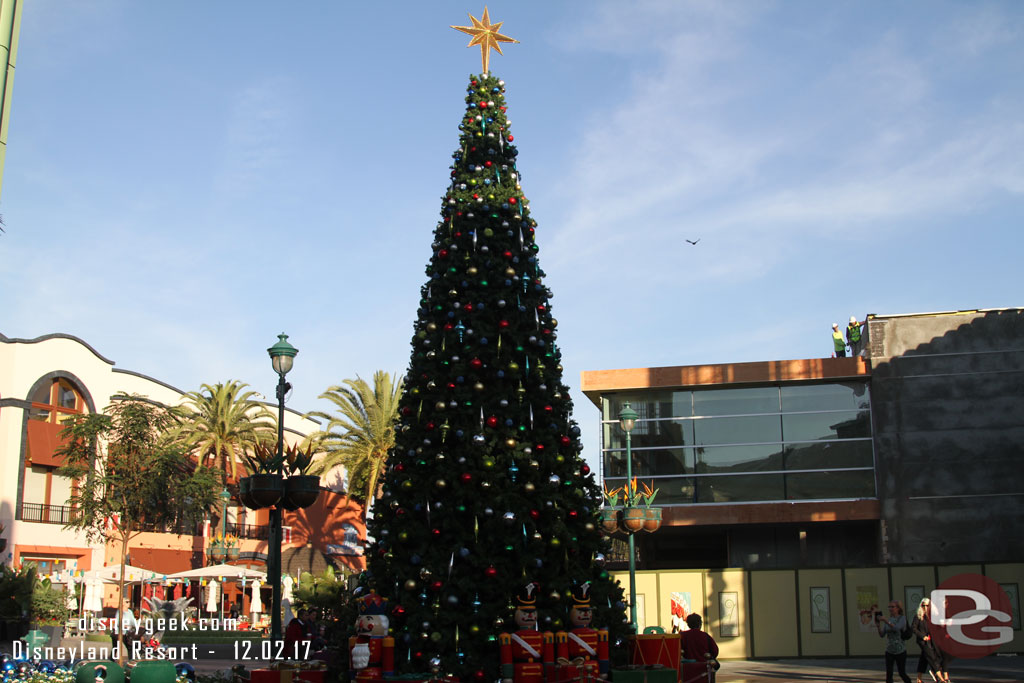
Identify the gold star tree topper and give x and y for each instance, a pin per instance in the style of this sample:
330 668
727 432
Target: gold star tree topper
485 34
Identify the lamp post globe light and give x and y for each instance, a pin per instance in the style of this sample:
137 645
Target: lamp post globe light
282 356
627 420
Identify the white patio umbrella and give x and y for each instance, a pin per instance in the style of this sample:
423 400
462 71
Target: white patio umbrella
213 596
72 600
256 605
132 574
93 601
220 571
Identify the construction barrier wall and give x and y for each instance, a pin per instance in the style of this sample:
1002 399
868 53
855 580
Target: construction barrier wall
801 612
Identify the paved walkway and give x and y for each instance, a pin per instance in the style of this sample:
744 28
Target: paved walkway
998 669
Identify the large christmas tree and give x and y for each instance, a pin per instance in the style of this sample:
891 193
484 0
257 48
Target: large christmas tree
485 489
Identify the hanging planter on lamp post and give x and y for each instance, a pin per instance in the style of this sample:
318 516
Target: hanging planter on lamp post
300 489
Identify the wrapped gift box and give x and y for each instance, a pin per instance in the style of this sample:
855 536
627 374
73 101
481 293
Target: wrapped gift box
645 675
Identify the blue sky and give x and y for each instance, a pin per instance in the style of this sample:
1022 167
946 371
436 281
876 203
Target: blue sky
186 180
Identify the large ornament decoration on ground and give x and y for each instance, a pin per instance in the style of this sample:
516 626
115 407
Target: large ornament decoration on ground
485 489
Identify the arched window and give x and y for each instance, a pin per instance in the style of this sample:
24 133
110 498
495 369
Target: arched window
45 494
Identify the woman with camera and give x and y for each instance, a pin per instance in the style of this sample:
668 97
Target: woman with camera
891 629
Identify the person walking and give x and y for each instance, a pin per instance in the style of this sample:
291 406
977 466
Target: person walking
931 656
853 337
837 341
891 629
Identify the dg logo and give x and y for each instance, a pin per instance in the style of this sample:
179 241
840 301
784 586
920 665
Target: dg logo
970 616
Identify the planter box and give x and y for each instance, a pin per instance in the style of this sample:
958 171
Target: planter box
287 676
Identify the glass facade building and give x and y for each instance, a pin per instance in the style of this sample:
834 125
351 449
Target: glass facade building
779 442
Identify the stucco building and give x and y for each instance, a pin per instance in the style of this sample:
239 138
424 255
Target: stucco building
49 378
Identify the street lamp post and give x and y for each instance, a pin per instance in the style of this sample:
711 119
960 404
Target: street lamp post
282 355
627 420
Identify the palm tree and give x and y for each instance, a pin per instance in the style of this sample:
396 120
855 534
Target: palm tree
361 432
222 422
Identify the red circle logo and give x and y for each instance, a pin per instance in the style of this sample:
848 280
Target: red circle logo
970 616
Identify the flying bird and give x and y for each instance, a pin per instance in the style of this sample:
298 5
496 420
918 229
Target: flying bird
692 242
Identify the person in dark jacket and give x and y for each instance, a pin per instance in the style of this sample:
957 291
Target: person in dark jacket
931 656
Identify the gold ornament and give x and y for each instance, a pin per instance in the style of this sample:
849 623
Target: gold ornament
485 34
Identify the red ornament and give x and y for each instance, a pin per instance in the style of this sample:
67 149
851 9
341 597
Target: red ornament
491 572
398 611
479 673
541 307
476 363
573 514
400 467
487 164
406 410
492 421
482 105
502 324
548 409
435 586
435 532
585 469
468 307
476 196
473 83
566 440
430 426
510 138
448 326
466 477
443 253
508 255
399 512
511 200
451 385
540 447
535 514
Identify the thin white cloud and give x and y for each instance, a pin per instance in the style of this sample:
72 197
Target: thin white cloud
256 136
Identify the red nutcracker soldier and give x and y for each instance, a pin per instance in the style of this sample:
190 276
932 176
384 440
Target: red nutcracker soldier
528 655
582 651
371 651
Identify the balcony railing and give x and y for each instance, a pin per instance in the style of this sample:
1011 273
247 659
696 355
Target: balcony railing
63 514
259 533
47 514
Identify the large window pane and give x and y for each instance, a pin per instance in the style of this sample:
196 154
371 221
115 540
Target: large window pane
742 488
649 404
671 490
843 396
650 433
819 485
815 426
650 462
726 430
736 401
828 455
739 459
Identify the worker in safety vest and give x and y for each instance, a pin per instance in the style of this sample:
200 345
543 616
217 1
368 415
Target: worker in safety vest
837 341
853 336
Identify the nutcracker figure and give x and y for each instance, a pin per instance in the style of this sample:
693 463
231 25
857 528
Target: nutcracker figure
528 655
372 652
582 651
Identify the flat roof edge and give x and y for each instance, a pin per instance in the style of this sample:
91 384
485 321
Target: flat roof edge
595 382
